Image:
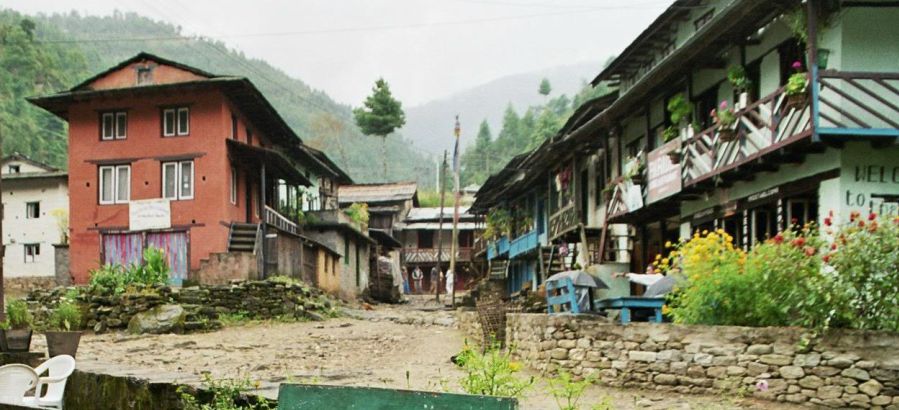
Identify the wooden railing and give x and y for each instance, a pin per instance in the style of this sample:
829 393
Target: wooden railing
273 218
429 255
761 127
563 221
524 244
497 248
858 103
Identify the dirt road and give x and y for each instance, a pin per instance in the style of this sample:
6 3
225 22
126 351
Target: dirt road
396 348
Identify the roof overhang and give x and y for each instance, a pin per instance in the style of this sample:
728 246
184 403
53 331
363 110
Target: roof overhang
384 239
256 157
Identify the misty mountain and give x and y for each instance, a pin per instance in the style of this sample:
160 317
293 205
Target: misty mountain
430 125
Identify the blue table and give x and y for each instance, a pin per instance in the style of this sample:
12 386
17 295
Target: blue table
633 302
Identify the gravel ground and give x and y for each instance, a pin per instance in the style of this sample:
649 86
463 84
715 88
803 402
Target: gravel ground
397 347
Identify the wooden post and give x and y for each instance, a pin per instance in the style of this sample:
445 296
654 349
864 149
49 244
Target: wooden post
2 247
457 193
813 65
262 195
442 186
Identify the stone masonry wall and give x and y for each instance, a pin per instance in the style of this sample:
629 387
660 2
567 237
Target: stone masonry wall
202 304
841 369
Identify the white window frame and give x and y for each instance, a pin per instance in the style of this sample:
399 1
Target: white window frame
176 122
178 196
28 210
234 185
115 118
33 257
115 185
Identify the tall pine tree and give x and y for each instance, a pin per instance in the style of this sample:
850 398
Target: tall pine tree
380 115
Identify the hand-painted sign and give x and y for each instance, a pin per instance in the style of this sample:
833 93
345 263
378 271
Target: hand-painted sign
664 175
149 214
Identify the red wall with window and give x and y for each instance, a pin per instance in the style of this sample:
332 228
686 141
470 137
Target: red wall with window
206 216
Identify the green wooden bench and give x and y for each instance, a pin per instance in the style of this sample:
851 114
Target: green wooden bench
305 396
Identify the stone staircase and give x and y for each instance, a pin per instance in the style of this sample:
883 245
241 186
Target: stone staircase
242 237
550 261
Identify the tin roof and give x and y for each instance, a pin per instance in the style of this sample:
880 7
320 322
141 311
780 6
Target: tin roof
374 193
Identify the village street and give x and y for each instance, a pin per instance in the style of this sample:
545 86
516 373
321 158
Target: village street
366 348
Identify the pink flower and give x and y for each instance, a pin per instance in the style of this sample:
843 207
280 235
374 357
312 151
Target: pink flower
723 105
797 65
872 216
827 221
809 251
761 385
778 239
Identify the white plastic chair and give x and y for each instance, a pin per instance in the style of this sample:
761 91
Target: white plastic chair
15 381
58 370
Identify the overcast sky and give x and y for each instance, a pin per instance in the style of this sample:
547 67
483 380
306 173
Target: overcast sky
426 49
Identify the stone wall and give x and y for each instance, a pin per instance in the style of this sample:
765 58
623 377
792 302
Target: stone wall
841 369
202 304
222 268
23 284
470 326
61 262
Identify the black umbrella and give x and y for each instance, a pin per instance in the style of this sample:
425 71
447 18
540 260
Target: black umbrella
662 286
579 278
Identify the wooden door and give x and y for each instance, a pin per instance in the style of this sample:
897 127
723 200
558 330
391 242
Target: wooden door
175 245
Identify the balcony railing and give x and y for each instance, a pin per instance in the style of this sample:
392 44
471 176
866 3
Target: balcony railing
858 103
763 126
273 218
429 255
563 221
626 196
498 248
523 244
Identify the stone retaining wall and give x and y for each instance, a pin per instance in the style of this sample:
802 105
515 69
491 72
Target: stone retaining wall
470 326
202 304
841 369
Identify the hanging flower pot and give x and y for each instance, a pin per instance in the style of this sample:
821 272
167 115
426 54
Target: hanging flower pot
727 134
797 101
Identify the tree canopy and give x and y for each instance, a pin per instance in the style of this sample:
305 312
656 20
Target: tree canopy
380 115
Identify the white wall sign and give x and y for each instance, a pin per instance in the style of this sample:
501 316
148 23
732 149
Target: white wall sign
149 214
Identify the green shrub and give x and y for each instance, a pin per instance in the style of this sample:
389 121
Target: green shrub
17 314
567 391
863 264
225 394
116 278
66 316
492 373
358 212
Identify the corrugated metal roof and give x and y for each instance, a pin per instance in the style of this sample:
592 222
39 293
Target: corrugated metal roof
399 191
426 214
433 226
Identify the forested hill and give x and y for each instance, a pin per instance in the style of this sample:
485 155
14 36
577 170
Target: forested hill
44 54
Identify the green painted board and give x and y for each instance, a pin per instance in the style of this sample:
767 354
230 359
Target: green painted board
305 396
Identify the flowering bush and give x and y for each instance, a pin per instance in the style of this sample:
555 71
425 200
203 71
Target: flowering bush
796 278
724 117
863 261
798 81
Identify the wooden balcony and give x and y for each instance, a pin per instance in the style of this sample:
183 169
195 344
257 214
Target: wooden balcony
498 248
858 104
524 244
762 127
429 255
275 219
563 221
626 197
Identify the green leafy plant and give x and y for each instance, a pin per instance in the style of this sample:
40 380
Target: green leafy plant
680 108
224 394
66 316
17 314
736 76
117 279
567 391
358 213
797 84
499 223
492 373
723 116
671 133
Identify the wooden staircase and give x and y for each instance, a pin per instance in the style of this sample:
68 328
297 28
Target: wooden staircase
550 261
242 237
499 269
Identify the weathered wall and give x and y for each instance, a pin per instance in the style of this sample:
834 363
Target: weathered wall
470 326
842 369
202 304
222 268
61 265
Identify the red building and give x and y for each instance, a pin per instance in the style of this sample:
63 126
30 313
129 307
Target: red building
210 149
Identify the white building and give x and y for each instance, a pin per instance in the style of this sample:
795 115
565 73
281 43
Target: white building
35 217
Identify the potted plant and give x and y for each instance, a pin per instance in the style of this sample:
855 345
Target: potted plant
797 87
61 338
736 76
17 330
725 120
670 134
633 170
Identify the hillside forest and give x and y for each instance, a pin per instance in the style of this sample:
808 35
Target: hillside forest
44 54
